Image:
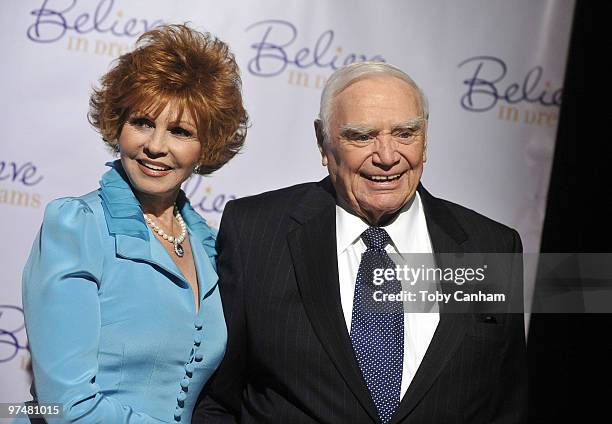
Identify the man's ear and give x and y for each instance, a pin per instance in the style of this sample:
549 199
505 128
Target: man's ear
425 143
320 134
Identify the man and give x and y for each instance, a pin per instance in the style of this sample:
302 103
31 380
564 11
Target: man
294 268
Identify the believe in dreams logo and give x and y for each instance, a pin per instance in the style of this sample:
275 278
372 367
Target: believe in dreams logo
488 87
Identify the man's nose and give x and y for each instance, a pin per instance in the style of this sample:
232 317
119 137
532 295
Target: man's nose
385 151
157 143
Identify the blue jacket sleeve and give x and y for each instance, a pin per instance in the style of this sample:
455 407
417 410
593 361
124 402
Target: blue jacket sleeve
62 312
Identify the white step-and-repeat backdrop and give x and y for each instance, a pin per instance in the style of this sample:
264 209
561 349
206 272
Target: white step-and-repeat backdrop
493 72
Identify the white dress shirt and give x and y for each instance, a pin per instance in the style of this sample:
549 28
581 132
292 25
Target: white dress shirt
408 234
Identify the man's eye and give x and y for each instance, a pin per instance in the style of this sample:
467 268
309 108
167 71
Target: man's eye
404 134
142 122
360 137
181 132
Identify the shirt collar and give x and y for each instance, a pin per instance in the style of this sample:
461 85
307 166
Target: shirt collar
349 227
404 226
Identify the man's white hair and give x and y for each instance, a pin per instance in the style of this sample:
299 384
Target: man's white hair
345 76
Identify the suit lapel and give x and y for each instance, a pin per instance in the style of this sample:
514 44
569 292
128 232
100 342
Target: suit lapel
447 236
136 249
313 250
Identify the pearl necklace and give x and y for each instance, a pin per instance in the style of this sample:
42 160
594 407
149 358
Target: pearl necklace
176 241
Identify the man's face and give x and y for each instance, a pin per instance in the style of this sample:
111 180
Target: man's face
376 147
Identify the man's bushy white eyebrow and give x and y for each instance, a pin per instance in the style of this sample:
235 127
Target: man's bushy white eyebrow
411 124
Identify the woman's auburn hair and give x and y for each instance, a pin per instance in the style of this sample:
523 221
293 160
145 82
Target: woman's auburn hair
194 70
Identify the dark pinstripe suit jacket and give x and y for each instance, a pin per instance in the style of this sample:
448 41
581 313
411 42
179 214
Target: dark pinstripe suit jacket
289 357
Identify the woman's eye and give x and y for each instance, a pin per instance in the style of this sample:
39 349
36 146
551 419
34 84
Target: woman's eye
181 132
142 122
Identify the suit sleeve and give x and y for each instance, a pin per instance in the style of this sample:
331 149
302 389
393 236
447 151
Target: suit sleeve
220 401
60 283
510 403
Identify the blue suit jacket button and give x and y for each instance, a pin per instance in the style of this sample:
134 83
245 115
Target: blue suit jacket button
185 383
177 413
198 323
180 399
189 369
198 356
197 340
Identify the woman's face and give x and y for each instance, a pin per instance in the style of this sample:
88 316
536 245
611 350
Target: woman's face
159 154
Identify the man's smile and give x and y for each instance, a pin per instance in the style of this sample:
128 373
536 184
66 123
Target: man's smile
383 178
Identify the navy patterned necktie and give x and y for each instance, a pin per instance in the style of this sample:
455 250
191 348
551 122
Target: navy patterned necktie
377 328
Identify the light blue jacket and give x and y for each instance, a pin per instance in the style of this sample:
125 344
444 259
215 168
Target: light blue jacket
111 320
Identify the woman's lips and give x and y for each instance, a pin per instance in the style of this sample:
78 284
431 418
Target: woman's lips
153 170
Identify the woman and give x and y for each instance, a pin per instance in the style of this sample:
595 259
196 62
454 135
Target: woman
120 293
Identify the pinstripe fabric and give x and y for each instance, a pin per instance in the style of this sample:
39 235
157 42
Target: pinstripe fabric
289 357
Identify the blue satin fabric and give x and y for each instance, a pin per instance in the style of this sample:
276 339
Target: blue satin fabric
111 320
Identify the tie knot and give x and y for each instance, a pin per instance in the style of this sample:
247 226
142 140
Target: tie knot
375 238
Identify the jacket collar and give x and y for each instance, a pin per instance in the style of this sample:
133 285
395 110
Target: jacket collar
123 212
